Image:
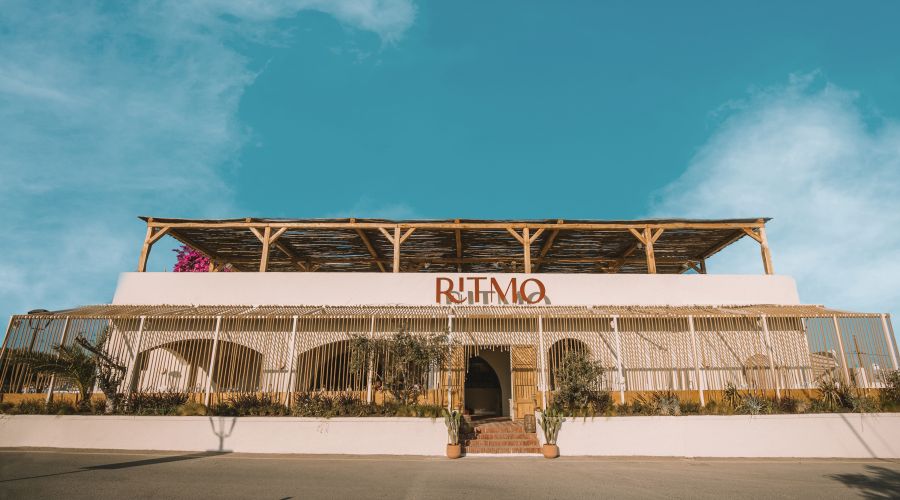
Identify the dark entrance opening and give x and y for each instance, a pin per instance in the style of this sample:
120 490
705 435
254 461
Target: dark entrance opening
484 396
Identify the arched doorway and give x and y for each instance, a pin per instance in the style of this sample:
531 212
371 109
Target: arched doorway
484 395
556 356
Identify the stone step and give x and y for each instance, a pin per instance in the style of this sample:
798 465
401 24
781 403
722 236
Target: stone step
499 434
502 449
501 442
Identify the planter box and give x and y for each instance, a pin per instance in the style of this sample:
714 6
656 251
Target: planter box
357 436
815 435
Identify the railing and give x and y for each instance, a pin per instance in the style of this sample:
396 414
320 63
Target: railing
283 355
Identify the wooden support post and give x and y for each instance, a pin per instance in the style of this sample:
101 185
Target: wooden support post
619 369
697 372
840 341
764 323
526 248
889 341
62 342
459 248
764 250
371 249
397 249
289 390
133 369
264 258
702 266
153 235
212 361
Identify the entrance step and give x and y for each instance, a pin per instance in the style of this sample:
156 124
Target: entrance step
499 436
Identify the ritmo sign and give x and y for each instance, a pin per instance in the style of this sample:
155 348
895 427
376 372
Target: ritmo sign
486 290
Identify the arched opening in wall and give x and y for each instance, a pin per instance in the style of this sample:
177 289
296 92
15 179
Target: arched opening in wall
824 365
483 394
328 368
556 357
757 372
182 366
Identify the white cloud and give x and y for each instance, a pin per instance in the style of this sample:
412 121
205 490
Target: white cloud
108 114
807 155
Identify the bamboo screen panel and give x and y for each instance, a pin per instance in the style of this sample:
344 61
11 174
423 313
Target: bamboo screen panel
268 353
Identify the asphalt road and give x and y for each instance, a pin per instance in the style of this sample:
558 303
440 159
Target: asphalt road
111 474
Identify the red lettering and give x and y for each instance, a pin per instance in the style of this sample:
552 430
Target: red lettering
541 291
446 293
477 280
511 285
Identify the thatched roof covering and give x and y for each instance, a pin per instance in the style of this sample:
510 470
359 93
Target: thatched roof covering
180 311
458 245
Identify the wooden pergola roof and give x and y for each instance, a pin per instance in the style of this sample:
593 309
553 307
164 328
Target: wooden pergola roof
459 245
107 311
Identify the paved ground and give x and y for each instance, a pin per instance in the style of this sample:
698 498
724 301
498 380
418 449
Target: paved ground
110 474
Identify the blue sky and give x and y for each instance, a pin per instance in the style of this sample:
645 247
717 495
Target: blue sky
404 108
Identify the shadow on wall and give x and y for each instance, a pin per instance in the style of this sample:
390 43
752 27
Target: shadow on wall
222 429
878 482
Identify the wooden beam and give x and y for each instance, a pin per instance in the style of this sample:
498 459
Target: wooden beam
637 235
371 249
145 249
752 234
296 259
515 235
397 241
583 226
159 234
459 247
407 234
264 258
526 246
546 247
386 234
648 250
764 250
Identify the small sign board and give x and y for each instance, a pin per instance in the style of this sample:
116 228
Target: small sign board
529 424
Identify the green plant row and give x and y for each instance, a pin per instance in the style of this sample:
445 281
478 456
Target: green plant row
179 403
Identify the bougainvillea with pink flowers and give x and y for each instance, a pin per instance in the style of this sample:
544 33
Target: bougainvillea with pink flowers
190 261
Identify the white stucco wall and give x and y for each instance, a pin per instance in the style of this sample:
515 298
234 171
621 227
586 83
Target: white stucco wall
420 288
820 436
357 436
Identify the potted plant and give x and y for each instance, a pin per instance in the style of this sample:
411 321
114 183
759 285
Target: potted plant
550 421
453 418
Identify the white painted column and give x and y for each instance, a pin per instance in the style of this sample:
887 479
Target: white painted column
697 371
840 340
370 365
768 338
615 327
132 365
62 342
212 361
543 358
889 341
450 363
289 390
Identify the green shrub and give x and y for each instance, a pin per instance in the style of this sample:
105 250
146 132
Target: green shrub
752 404
579 390
155 403
30 407
191 409
257 405
661 403
7 408
889 395
59 408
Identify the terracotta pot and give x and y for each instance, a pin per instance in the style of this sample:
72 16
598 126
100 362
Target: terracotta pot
550 450
454 451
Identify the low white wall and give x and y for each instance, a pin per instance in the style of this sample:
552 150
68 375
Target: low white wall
358 436
420 289
820 435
